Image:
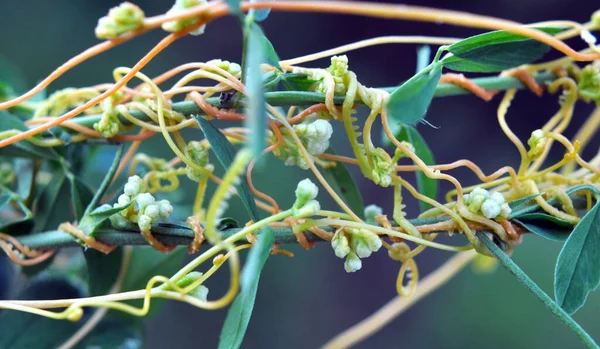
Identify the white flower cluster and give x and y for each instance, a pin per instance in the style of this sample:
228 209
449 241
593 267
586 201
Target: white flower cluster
109 123
491 206
305 204
121 19
148 211
179 24
314 135
354 244
338 70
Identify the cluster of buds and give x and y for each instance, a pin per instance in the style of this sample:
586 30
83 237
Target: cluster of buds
121 19
230 67
492 206
354 244
537 143
338 70
589 83
109 124
198 154
145 210
179 24
383 167
314 135
305 204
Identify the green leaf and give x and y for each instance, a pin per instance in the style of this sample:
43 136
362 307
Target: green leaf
344 185
94 220
298 82
578 265
426 186
255 108
546 226
495 51
106 181
240 311
26 169
522 206
103 270
22 148
409 102
259 15
524 279
49 213
115 331
81 195
146 263
423 57
225 154
4 200
22 330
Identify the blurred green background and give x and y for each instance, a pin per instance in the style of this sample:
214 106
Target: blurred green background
304 301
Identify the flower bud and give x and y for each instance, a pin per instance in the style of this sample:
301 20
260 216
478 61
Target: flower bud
340 244
352 263
537 143
371 212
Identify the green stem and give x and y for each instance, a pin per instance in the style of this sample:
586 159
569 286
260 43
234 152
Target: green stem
514 269
167 233
299 98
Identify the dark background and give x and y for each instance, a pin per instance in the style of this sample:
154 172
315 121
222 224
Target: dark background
304 301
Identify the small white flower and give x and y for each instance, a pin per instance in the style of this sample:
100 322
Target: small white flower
144 199
305 191
144 222
499 198
490 209
164 209
317 136
123 199
353 263
311 208
152 212
372 211
340 244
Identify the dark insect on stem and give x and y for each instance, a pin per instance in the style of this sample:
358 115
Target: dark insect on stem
226 97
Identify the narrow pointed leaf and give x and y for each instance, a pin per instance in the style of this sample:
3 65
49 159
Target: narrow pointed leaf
578 266
225 154
106 181
426 186
495 51
344 185
409 102
546 226
255 108
240 311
